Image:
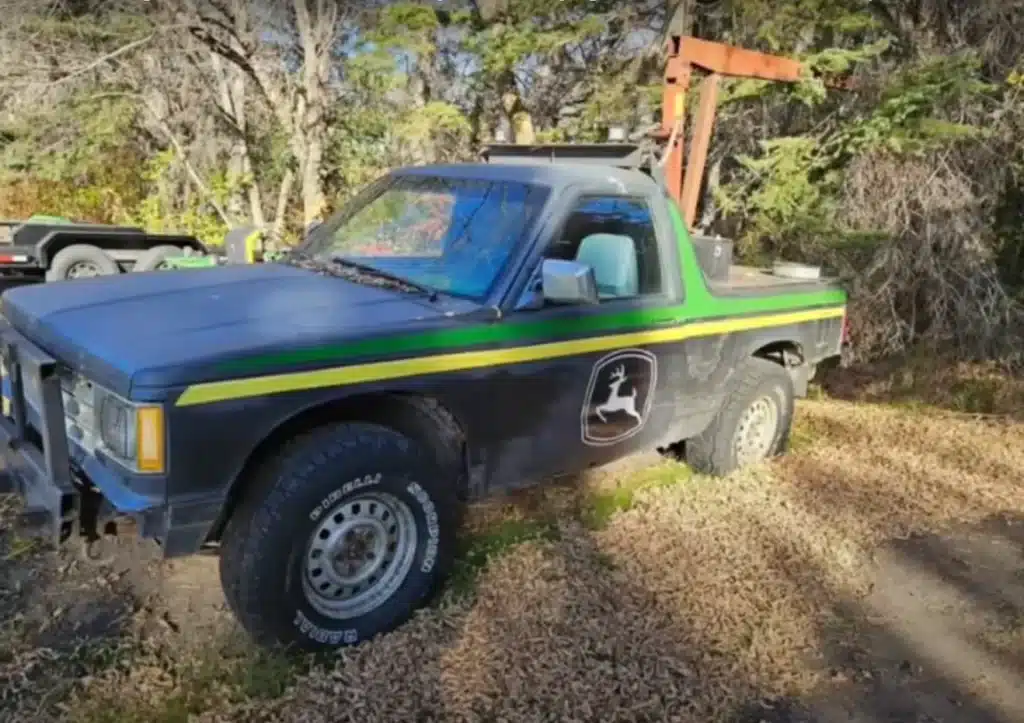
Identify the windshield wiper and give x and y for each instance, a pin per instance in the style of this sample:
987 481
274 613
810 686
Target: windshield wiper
337 263
381 274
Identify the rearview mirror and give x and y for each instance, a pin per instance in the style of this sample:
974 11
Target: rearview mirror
568 282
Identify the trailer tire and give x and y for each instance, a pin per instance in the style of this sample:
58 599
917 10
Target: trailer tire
341 537
153 259
81 261
753 423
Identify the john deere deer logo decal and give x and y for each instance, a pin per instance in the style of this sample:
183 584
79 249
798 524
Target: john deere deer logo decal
618 402
618 397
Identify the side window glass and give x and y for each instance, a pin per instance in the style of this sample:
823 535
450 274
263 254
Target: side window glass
616 237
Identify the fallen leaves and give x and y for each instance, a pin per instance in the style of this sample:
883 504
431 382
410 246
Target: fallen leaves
691 603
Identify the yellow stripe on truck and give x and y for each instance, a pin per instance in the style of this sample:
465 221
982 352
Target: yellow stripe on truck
209 392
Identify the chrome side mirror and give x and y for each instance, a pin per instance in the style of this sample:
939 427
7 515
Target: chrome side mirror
568 282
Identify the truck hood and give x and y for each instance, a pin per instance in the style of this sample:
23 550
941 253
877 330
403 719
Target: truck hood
171 328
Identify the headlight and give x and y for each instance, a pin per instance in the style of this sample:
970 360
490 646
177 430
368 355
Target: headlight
131 433
116 422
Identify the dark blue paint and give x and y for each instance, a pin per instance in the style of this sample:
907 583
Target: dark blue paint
170 328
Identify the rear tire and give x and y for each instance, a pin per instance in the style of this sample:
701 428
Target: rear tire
81 261
342 537
753 423
153 259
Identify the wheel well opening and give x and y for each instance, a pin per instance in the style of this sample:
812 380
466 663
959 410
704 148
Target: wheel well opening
784 353
790 356
419 417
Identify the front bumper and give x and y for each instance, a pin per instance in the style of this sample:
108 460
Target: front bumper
36 460
66 490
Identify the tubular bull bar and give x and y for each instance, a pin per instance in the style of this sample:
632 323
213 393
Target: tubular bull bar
35 456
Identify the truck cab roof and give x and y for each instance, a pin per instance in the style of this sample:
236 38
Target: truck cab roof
554 175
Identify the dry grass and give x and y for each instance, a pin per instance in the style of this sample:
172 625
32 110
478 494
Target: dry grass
662 596
924 381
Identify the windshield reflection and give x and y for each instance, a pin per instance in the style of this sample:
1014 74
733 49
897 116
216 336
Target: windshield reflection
453 235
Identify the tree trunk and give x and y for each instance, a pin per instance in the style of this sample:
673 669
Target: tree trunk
284 193
301 110
316 34
231 96
519 117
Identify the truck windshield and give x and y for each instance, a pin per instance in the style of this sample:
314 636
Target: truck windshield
449 234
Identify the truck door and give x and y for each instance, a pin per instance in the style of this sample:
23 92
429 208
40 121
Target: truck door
607 390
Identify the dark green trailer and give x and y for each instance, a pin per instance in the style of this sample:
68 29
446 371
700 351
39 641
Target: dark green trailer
55 249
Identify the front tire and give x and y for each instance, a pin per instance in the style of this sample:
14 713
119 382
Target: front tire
752 425
348 531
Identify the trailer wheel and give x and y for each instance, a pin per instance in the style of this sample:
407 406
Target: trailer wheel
80 261
155 259
340 538
752 425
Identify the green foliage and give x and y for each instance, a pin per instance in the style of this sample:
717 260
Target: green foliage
433 120
71 140
161 212
358 147
373 72
787 195
785 198
792 26
406 26
909 117
532 30
77 159
616 101
377 129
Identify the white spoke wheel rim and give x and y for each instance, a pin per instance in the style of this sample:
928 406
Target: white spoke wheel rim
757 430
82 270
358 555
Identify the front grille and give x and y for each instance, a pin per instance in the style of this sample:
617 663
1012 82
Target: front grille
38 429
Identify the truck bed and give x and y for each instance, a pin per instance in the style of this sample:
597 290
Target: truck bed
747 279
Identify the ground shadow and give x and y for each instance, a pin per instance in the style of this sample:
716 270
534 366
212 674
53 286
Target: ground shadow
922 646
60 619
938 633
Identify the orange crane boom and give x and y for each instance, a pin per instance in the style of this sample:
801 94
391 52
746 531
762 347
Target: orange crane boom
687 54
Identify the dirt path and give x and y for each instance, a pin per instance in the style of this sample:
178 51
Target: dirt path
876 574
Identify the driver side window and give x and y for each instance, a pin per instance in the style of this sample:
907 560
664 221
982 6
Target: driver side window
615 236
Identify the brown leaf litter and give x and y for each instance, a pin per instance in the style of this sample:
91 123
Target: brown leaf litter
700 599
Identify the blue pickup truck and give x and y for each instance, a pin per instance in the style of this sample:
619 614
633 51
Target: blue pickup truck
452 332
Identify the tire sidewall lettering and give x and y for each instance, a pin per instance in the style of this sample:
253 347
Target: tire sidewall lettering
433 526
780 409
323 636
331 500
